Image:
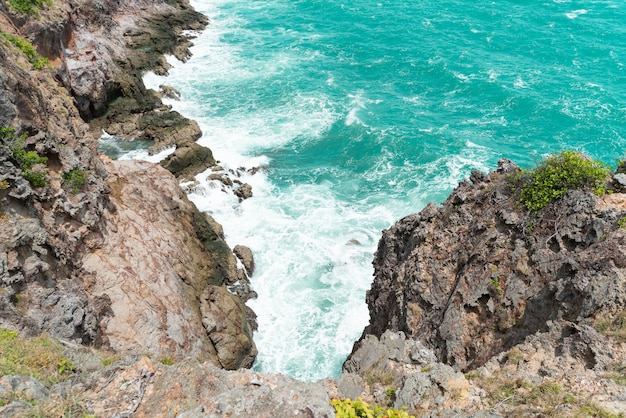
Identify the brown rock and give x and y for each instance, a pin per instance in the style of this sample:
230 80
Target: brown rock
244 191
225 322
189 160
154 265
245 255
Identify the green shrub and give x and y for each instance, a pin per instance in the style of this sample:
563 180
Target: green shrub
36 60
28 7
557 175
25 159
347 408
75 179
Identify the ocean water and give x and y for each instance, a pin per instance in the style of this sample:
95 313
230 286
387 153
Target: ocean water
361 112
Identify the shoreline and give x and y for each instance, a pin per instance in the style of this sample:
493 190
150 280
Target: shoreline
476 313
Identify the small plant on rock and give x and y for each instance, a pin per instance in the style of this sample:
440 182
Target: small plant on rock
28 7
75 179
25 159
36 60
557 175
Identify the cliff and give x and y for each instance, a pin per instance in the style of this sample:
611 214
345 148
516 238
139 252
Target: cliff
107 254
479 307
511 304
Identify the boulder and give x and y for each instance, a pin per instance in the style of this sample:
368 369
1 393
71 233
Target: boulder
247 259
243 192
224 318
188 160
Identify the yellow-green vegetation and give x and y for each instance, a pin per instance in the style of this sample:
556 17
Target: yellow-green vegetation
515 356
622 223
28 7
347 408
75 179
516 397
613 327
40 357
36 60
495 284
25 159
166 361
617 373
558 174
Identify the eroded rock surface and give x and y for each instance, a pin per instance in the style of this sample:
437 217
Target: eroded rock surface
156 266
496 290
114 255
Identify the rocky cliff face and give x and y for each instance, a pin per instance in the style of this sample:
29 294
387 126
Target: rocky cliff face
479 274
478 308
481 281
111 254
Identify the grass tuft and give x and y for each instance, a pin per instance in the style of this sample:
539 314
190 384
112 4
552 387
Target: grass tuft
40 357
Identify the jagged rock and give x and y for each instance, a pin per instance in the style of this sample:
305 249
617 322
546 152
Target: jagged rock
215 226
245 255
193 389
188 160
26 387
158 256
224 318
168 129
407 368
470 279
169 92
223 178
243 192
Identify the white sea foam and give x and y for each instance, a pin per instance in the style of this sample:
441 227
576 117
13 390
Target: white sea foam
312 252
574 14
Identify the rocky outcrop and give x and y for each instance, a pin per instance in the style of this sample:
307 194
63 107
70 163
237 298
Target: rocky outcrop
45 229
108 255
162 269
142 387
479 274
395 371
189 160
477 307
480 277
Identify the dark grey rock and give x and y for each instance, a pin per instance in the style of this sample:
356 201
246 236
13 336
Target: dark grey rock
23 386
619 181
478 274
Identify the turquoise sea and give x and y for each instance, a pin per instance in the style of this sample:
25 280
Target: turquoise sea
361 112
